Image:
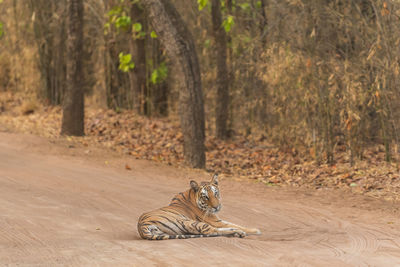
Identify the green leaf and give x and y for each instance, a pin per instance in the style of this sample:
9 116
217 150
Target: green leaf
258 4
153 34
125 62
107 28
1 29
245 6
207 43
202 4
160 74
228 23
115 11
123 22
137 27
154 77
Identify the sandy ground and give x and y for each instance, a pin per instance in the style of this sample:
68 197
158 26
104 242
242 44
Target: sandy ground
64 205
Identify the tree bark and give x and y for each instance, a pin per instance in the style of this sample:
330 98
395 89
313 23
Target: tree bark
222 105
50 36
179 45
138 75
263 22
73 102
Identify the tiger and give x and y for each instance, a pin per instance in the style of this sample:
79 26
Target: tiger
191 214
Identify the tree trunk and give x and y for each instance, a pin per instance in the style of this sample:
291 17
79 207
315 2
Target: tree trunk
263 22
138 51
179 45
161 89
230 65
222 105
73 102
50 36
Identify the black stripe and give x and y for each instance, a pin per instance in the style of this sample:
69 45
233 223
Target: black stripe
195 225
165 237
144 217
171 211
198 218
173 222
183 196
184 227
163 224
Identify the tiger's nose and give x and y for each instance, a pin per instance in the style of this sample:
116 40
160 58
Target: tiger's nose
214 203
218 208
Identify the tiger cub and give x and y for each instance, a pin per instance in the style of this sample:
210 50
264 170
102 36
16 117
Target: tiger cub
191 214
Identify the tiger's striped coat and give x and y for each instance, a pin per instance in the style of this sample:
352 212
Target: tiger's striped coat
191 214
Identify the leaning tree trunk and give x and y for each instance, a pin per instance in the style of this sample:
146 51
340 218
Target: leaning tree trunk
222 105
73 105
179 45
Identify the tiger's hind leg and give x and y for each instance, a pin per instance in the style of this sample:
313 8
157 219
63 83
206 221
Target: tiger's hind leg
151 232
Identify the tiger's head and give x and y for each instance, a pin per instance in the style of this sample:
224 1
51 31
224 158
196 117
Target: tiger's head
207 195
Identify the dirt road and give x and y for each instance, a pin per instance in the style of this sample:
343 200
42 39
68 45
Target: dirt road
63 205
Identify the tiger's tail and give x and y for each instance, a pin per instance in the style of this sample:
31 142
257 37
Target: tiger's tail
166 237
154 233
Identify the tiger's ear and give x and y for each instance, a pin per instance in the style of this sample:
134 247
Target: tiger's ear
214 179
194 185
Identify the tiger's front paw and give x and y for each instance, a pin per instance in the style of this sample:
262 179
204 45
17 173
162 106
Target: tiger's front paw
253 231
239 233
231 232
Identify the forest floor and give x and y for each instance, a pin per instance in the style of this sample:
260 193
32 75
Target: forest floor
73 205
241 158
